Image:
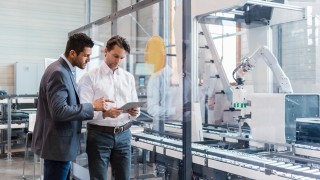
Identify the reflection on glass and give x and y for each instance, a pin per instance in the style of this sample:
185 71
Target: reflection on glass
259 130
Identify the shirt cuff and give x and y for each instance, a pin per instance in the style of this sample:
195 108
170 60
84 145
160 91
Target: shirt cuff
132 117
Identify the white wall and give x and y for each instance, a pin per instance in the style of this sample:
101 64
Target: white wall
34 29
300 49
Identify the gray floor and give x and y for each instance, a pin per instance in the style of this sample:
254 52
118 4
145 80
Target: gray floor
12 169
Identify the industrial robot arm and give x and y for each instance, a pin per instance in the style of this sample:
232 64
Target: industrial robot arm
248 63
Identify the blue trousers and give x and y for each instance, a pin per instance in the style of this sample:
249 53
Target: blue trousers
56 170
103 148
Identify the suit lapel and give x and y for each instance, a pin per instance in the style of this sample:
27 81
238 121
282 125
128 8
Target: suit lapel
65 65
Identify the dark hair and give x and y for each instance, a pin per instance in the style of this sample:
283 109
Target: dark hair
78 42
119 41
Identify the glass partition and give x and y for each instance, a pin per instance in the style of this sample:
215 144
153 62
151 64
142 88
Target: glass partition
154 66
298 53
242 89
257 116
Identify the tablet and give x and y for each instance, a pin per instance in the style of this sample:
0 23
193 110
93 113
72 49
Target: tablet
131 105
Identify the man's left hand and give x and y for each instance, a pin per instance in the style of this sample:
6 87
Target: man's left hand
133 111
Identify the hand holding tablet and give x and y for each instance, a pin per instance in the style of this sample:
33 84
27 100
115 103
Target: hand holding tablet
131 105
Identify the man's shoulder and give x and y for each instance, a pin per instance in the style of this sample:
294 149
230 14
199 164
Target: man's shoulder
126 75
125 72
55 67
93 72
92 75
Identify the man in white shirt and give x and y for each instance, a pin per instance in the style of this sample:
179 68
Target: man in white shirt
109 136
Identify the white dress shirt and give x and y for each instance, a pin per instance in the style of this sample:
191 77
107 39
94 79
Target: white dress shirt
118 86
72 68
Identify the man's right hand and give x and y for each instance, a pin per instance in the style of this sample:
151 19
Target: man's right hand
112 113
101 104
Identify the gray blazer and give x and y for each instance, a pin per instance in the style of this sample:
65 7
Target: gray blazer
57 130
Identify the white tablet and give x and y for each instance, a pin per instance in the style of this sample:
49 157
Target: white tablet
131 105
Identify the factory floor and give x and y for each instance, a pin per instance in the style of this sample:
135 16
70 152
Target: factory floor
13 169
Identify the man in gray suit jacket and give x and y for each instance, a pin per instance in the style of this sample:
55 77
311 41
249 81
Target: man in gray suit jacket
56 136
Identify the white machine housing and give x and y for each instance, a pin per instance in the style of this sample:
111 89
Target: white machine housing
272 117
267 120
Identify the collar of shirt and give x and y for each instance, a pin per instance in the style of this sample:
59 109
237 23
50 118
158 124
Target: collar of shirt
107 69
73 69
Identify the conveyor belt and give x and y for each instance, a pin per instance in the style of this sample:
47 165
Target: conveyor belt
217 133
244 164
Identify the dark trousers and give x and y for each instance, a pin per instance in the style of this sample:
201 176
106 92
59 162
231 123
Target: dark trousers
103 148
56 170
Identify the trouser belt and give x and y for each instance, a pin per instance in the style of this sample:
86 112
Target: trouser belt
109 129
